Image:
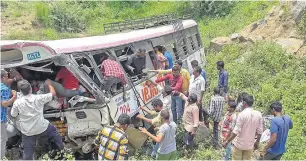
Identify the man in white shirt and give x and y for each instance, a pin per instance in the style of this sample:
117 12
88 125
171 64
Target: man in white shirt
197 86
29 109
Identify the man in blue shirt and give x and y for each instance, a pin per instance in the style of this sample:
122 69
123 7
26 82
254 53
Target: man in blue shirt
223 78
279 128
6 101
168 56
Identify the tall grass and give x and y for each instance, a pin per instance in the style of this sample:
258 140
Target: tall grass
42 13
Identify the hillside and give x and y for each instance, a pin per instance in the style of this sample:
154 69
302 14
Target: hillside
261 66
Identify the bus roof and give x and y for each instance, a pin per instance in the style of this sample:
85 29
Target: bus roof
95 42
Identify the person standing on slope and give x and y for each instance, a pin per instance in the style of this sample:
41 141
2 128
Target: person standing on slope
279 129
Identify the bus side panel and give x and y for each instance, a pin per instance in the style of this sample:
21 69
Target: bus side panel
198 55
130 107
29 55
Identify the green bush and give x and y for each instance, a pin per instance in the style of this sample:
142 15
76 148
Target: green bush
211 8
67 17
302 24
42 13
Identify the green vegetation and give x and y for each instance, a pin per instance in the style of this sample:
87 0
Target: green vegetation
267 72
302 25
77 19
264 69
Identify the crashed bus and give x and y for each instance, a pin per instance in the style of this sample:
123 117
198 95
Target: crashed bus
82 118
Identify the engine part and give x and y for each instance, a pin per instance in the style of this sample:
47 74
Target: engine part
87 148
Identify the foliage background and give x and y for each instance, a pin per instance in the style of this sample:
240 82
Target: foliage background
264 69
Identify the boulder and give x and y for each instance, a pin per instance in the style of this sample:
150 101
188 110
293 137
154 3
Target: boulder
298 9
239 37
291 45
218 43
253 38
293 34
301 52
253 26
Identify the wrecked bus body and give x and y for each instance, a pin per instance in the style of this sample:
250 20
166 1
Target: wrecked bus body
79 118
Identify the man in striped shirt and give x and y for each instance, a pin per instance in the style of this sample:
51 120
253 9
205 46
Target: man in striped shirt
112 141
215 112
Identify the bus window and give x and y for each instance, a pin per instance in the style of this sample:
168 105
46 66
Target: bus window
173 45
185 46
198 39
192 43
11 56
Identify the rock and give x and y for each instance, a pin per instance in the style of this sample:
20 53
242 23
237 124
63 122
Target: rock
253 26
293 34
281 13
237 36
262 22
272 11
291 45
218 42
298 9
253 39
301 52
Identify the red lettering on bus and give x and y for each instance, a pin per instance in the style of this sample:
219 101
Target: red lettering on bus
148 92
125 109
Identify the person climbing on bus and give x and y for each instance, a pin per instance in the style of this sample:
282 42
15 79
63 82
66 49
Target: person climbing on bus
112 73
68 80
60 90
176 82
160 57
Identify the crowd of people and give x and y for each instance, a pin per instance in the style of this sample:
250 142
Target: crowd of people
181 103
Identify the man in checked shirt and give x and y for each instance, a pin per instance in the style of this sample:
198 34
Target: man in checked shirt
113 73
215 112
112 140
